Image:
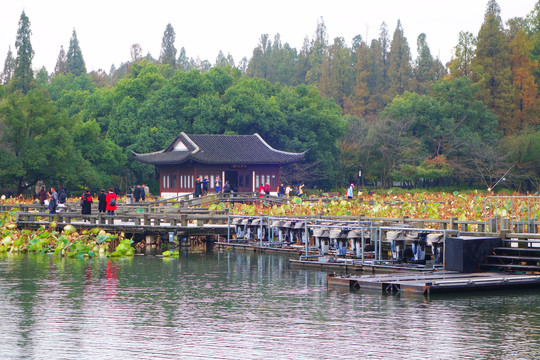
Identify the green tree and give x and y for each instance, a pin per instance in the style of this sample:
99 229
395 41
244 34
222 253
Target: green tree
75 61
167 55
259 64
61 67
315 124
37 144
9 68
317 53
183 61
223 61
283 62
337 73
449 123
424 70
399 67
491 68
23 75
461 64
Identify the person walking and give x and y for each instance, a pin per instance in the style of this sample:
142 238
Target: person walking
198 185
267 189
53 201
62 196
110 202
217 185
227 188
300 190
205 186
146 189
288 190
281 190
350 191
86 202
261 190
102 202
137 193
42 196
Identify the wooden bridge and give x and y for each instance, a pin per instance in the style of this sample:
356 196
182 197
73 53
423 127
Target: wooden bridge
185 217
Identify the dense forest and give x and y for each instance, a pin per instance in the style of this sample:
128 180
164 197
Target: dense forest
369 107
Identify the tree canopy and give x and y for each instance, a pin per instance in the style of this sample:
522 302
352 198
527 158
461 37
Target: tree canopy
367 106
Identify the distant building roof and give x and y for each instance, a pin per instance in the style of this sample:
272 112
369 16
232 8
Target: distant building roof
219 149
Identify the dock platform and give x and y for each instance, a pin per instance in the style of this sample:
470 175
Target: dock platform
436 282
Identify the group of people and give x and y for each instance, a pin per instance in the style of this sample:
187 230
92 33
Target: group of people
140 192
55 199
288 191
106 202
202 185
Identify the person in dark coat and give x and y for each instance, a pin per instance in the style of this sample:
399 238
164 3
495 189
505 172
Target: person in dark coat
53 201
281 191
137 193
102 202
205 185
198 189
42 196
227 188
86 203
143 193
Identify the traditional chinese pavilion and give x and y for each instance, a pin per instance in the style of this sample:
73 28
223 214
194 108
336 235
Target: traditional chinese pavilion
246 161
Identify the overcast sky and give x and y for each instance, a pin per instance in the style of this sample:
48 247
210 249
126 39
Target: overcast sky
107 29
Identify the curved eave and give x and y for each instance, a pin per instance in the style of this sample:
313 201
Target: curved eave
154 158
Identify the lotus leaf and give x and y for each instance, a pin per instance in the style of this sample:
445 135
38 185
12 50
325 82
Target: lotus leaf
68 229
7 240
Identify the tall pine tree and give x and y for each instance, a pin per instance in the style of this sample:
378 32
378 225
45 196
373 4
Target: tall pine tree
526 100
61 67
75 61
362 103
167 56
424 71
9 67
399 67
461 64
337 73
491 68
317 53
23 75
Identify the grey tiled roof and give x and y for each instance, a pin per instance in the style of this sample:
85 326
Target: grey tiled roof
219 149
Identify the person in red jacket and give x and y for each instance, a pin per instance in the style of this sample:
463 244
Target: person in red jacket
110 202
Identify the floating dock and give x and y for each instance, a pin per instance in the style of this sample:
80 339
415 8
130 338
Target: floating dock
436 282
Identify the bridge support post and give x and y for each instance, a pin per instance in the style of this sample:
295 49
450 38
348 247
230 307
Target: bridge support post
452 225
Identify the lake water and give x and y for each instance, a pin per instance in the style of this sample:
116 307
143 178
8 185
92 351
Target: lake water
234 305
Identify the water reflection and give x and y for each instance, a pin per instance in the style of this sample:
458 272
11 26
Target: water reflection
232 305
